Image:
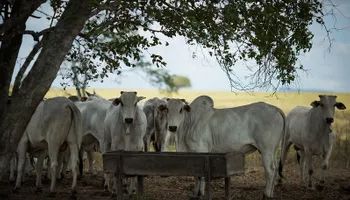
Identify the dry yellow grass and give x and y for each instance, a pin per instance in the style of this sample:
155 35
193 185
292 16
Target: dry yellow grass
286 100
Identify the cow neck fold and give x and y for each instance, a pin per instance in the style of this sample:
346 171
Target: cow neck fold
183 132
317 124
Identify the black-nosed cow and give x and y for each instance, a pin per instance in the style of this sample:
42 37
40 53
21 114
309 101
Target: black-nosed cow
309 129
125 126
199 127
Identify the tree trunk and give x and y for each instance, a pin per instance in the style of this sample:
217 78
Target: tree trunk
10 44
39 79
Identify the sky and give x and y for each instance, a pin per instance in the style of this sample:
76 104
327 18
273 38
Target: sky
327 69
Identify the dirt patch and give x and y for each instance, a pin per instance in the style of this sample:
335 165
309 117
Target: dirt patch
248 186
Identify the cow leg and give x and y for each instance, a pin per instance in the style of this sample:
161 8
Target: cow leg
38 170
65 164
53 155
302 165
60 165
165 143
283 158
202 186
81 161
90 157
326 157
21 152
132 185
196 187
74 154
13 166
308 164
147 138
270 173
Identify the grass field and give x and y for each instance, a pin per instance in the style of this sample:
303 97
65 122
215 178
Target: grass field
286 101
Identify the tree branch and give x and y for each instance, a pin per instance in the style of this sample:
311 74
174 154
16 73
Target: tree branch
36 35
28 7
23 69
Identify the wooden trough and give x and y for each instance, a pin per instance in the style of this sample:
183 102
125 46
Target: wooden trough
208 165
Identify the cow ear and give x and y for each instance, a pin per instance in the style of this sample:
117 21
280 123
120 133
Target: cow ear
83 99
184 100
162 107
315 103
116 101
340 106
121 92
140 98
187 108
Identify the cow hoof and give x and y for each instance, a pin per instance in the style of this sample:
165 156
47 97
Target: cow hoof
264 197
73 195
310 188
38 190
15 190
12 181
320 187
52 194
194 197
114 195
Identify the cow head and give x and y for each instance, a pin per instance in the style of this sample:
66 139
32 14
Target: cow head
128 105
327 105
160 116
176 113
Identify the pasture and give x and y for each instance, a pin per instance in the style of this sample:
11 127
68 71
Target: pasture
248 186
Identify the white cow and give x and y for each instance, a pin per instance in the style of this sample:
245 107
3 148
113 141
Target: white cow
309 129
54 126
199 127
93 113
156 112
125 126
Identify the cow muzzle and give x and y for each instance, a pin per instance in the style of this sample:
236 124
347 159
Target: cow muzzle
172 128
329 120
129 120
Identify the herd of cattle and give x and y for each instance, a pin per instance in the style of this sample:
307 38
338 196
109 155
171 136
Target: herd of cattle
63 129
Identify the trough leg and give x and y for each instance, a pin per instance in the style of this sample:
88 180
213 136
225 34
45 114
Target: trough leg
208 189
119 179
139 187
227 188
208 179
119 184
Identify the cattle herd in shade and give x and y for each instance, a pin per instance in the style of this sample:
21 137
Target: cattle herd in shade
62 129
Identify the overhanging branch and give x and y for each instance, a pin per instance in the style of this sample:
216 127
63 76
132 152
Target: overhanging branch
23 69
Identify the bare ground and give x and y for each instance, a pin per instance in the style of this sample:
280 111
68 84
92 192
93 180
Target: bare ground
248 186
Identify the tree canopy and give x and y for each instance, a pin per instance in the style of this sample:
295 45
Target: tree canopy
271 33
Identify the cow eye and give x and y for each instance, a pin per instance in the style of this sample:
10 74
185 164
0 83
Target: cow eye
121 103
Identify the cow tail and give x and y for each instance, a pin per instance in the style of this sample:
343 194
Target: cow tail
283 143
76 128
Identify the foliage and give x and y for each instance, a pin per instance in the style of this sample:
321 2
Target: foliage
271 33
